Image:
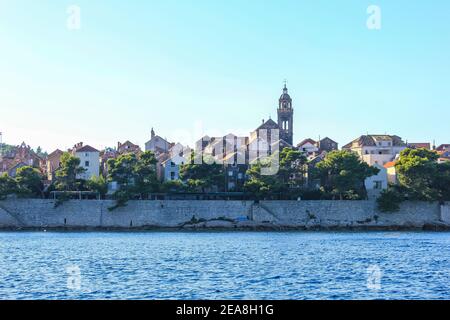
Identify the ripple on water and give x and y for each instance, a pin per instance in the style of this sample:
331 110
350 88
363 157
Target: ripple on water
228 265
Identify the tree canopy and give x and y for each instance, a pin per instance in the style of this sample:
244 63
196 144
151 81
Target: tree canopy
8 186
343 174
422 177
203 177
135 176
29 181
66 174
285 183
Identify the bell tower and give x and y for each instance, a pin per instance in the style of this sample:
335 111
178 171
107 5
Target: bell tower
286 117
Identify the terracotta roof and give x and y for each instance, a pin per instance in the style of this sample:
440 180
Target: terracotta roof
371 139
390 164
306 141
419 145
443 147
86 148
55 153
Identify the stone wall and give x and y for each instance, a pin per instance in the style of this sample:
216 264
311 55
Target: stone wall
445 213
36 213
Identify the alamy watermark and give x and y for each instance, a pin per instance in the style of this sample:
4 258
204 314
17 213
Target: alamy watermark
73 21
73 277
374 20
374 275
263 147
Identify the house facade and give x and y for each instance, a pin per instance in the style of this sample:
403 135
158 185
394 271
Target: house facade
89 160
308 147
53 163
377 183
157 145
377 149
20 156
128 147
391 172
171 167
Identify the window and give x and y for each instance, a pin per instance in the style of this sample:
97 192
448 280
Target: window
86 163
172 176
172 164
230 173
377 185
86 154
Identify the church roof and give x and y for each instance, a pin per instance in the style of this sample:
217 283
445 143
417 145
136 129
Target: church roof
269 124
86 148
285 95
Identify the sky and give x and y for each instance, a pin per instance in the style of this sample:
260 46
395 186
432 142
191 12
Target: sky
189 68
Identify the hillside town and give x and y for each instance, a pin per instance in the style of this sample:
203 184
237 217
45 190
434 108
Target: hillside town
236 155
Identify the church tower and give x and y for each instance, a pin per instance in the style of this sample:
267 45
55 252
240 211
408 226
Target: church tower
286 117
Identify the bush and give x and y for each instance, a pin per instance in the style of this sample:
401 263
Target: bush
389 201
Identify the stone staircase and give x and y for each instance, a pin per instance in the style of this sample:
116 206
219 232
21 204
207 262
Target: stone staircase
266 209
20 222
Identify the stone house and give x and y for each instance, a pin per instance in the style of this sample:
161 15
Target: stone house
89 160
157 144
391 172
20 156
375 184
377 149
128 147
53 163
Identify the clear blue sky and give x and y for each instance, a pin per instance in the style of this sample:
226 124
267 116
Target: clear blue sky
217 66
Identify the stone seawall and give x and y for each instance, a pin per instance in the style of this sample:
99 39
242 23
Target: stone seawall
84 214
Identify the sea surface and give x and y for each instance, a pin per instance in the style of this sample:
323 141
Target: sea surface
224 265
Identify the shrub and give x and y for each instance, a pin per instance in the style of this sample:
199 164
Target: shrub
389 201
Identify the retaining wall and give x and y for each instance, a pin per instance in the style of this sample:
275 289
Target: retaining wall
37 213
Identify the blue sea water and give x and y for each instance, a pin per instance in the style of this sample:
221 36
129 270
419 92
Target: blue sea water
224 265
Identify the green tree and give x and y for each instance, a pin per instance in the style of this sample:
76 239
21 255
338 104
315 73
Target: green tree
8 186
203 177
136 176
29 181
121 170
292 168
342 173
146 180
390 200
66 175
442 181
422 177
417 171
173 186
98 184
286 183
41 153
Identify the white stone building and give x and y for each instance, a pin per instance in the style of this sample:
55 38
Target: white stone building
375 184
89 160
377 149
